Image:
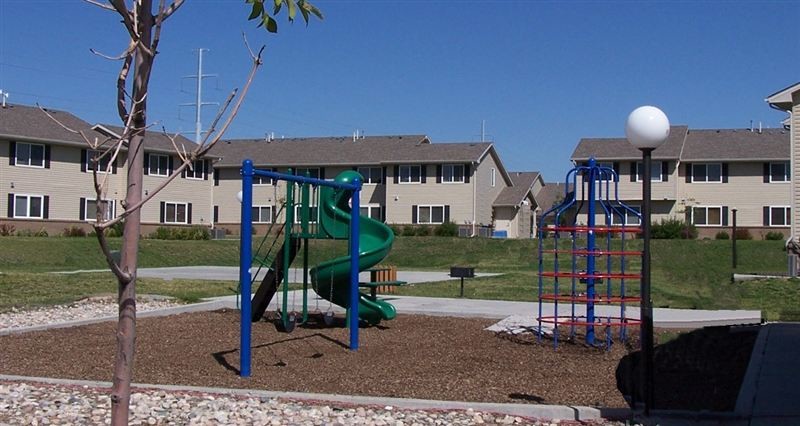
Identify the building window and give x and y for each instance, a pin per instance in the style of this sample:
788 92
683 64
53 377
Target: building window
197 171
624 217
493 176
453 173
175 212
262 214
158 165
707 216
313 214
312 172
780 216
410 174
372 211
102 162
29 206
29 154
90 209
430 214
707 172
655 171
262 180
372 175
779 172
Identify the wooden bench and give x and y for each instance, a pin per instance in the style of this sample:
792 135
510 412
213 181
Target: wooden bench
373 285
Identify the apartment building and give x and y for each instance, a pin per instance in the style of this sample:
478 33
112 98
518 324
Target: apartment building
704 175
46 180
788 99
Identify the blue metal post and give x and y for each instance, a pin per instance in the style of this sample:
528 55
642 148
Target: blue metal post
355 211
245 257
590 259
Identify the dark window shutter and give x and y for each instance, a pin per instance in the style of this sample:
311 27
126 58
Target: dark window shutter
724 215
446 214
414 214
438 173
383 180
216 214
216 177
383 213
189 213
322 172
206 166
84 159
170 165
724 172
162 213
82 208
766 172
12 154
665 171
146 163
396 174
766 216
274 181
423 173
183 172
688 172
467 172
633 171
47 149
46 207
10 205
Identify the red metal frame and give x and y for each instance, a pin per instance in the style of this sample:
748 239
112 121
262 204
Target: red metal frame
600 321
596 275
584 252
595 229
585 299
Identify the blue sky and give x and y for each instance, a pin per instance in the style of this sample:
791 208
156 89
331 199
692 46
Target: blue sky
541 74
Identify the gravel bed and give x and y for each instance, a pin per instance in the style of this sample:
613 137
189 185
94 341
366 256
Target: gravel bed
93 307
36 404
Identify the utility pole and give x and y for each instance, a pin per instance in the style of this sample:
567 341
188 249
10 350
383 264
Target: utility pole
198 103
483 130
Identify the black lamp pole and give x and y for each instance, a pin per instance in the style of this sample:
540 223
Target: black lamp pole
733 240
646 306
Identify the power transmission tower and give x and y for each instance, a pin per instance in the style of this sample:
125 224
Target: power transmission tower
198 103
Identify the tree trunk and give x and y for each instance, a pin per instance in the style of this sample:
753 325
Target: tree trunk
126 327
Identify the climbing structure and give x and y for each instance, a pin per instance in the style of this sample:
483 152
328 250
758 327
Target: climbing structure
585 267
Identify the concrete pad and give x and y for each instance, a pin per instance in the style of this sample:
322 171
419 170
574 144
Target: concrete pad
518 324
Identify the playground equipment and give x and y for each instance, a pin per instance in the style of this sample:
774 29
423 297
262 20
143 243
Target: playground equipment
323 211
575 255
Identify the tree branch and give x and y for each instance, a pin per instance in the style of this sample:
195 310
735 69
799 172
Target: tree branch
101 5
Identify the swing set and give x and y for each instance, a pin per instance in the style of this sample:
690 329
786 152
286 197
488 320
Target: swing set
313 209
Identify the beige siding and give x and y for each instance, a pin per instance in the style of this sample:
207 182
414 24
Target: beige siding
486 193
632 190
506 218
401 197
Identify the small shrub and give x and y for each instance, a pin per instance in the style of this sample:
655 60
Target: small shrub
668 229
409 231
447 229
396 229
423 231
7 230
774 236
29 233
74 231
175 233
743 234
722 235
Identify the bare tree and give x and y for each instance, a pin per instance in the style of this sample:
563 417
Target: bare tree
142 22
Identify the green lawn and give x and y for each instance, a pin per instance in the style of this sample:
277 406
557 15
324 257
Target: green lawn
685 274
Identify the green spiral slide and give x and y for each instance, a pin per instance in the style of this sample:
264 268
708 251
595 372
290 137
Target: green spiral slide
331 279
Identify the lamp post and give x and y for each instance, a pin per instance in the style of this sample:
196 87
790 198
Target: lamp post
646 129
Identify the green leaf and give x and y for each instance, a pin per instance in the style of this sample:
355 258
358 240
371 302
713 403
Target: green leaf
277 8
292 9
258 7
313 9
272 25
304 12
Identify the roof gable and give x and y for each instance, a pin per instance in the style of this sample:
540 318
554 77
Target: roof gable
522 188
782 99
736 144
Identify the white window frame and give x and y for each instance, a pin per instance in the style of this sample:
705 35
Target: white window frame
176 204
90 214
369 176
262 180
270 209
408 168
430 208
656 167
30 156
787 215
493 177
314 217
707 208
453 174
786 169
627 216
370 210
157 170
103 164
27 203
694 175
199 169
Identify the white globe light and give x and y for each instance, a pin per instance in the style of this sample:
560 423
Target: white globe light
239 196
647 127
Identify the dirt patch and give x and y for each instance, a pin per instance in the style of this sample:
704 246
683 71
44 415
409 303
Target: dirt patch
413 356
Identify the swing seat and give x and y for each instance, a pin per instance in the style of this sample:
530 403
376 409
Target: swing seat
373 285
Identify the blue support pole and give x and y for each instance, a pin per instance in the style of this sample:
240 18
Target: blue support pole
590 260
355 211
245 257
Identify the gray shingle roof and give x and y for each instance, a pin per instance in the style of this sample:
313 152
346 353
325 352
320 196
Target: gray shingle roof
550 193
345 151
153 140
21 122
621 149
732 144
513 195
